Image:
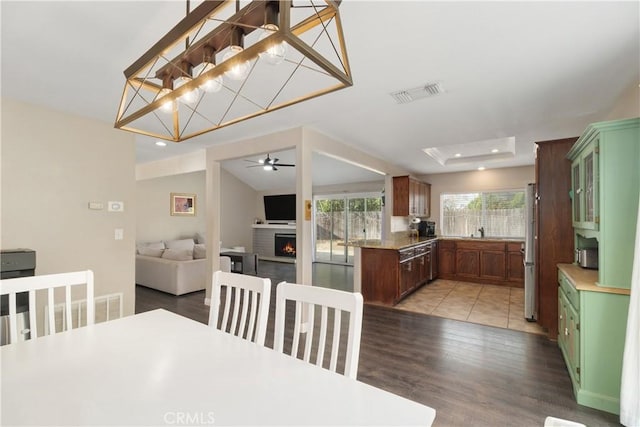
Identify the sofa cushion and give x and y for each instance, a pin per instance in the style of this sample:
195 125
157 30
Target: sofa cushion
148 251
150 245
178 254
181 244
200 238
199 251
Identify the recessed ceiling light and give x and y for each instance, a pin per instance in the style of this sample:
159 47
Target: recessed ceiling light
458 154
495 150
161 143
481 168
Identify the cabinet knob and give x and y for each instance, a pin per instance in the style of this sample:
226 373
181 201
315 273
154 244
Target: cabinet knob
561 317
566 331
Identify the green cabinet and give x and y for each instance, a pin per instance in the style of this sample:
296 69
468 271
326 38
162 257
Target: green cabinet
591 334
584 184
569 329
605 188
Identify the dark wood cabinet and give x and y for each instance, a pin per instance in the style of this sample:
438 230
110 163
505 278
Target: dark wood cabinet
554 231
435 260
468 263
482 261
446 259
493 264
388 275
515 263
411 197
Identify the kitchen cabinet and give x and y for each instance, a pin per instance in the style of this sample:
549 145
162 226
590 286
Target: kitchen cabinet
434 259
409 271
388 275
482 261
554 234
515 263
447 259
411 197
606 189
584 186
591 333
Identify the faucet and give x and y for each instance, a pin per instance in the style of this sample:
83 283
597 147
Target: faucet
481 230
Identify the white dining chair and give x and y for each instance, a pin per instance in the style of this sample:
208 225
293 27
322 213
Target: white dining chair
306 298
250 297
50 282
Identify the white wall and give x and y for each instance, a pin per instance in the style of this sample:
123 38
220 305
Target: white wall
153 219
237 208
53 165
486 180
628 105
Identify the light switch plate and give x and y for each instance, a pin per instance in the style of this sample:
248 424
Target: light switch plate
119 234
115 206
98 206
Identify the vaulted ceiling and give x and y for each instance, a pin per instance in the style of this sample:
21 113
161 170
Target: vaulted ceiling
528 70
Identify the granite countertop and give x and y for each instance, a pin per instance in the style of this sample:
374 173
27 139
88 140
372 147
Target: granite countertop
404 241
394 243
482 239
587 280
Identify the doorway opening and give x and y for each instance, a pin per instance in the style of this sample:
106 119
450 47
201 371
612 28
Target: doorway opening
343 218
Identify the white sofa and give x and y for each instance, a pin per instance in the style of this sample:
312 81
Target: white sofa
171 276
168 266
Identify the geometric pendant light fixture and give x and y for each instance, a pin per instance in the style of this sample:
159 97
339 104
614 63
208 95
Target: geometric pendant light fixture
229 61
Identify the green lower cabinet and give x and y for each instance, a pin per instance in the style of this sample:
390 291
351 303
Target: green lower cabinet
591 335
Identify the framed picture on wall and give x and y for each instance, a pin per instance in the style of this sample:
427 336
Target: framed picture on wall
183 204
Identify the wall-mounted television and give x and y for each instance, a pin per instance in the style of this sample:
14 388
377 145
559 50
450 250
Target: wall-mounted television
280 208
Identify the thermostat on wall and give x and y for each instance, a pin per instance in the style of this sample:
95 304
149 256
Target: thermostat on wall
115 206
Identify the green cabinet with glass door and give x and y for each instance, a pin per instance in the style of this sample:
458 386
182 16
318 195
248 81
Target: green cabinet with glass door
592 305
606 183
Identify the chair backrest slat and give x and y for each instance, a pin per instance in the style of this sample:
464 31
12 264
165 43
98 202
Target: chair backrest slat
337 325
339 302
323 335
296 329
251 297
310 324
50 282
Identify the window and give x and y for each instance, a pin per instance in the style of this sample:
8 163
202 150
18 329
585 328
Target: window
501 213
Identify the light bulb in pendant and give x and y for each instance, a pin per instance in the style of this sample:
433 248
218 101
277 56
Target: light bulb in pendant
276 52
240 70
213 84
190 97
166 106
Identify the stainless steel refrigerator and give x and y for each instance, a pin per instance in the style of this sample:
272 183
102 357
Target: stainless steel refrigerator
529 252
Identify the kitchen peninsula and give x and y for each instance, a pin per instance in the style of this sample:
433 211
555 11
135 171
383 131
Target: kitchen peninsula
386 271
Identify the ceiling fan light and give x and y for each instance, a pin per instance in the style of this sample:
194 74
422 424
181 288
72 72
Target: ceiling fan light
268 167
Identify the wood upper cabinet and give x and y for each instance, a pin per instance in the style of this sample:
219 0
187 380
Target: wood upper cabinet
411 197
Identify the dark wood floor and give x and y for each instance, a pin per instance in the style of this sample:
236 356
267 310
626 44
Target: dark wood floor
473 375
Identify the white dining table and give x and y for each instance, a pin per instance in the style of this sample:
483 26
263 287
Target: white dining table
159 368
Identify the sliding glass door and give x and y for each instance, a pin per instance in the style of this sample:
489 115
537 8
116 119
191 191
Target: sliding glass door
339 219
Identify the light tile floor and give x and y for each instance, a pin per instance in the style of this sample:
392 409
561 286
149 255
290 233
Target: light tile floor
491 305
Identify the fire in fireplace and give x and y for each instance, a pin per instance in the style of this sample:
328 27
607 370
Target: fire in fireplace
285 245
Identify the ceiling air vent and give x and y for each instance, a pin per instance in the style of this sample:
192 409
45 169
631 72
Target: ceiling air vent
424 91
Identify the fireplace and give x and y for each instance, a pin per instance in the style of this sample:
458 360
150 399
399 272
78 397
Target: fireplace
285 245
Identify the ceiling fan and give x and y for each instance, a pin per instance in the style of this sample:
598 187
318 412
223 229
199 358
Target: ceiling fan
268 163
